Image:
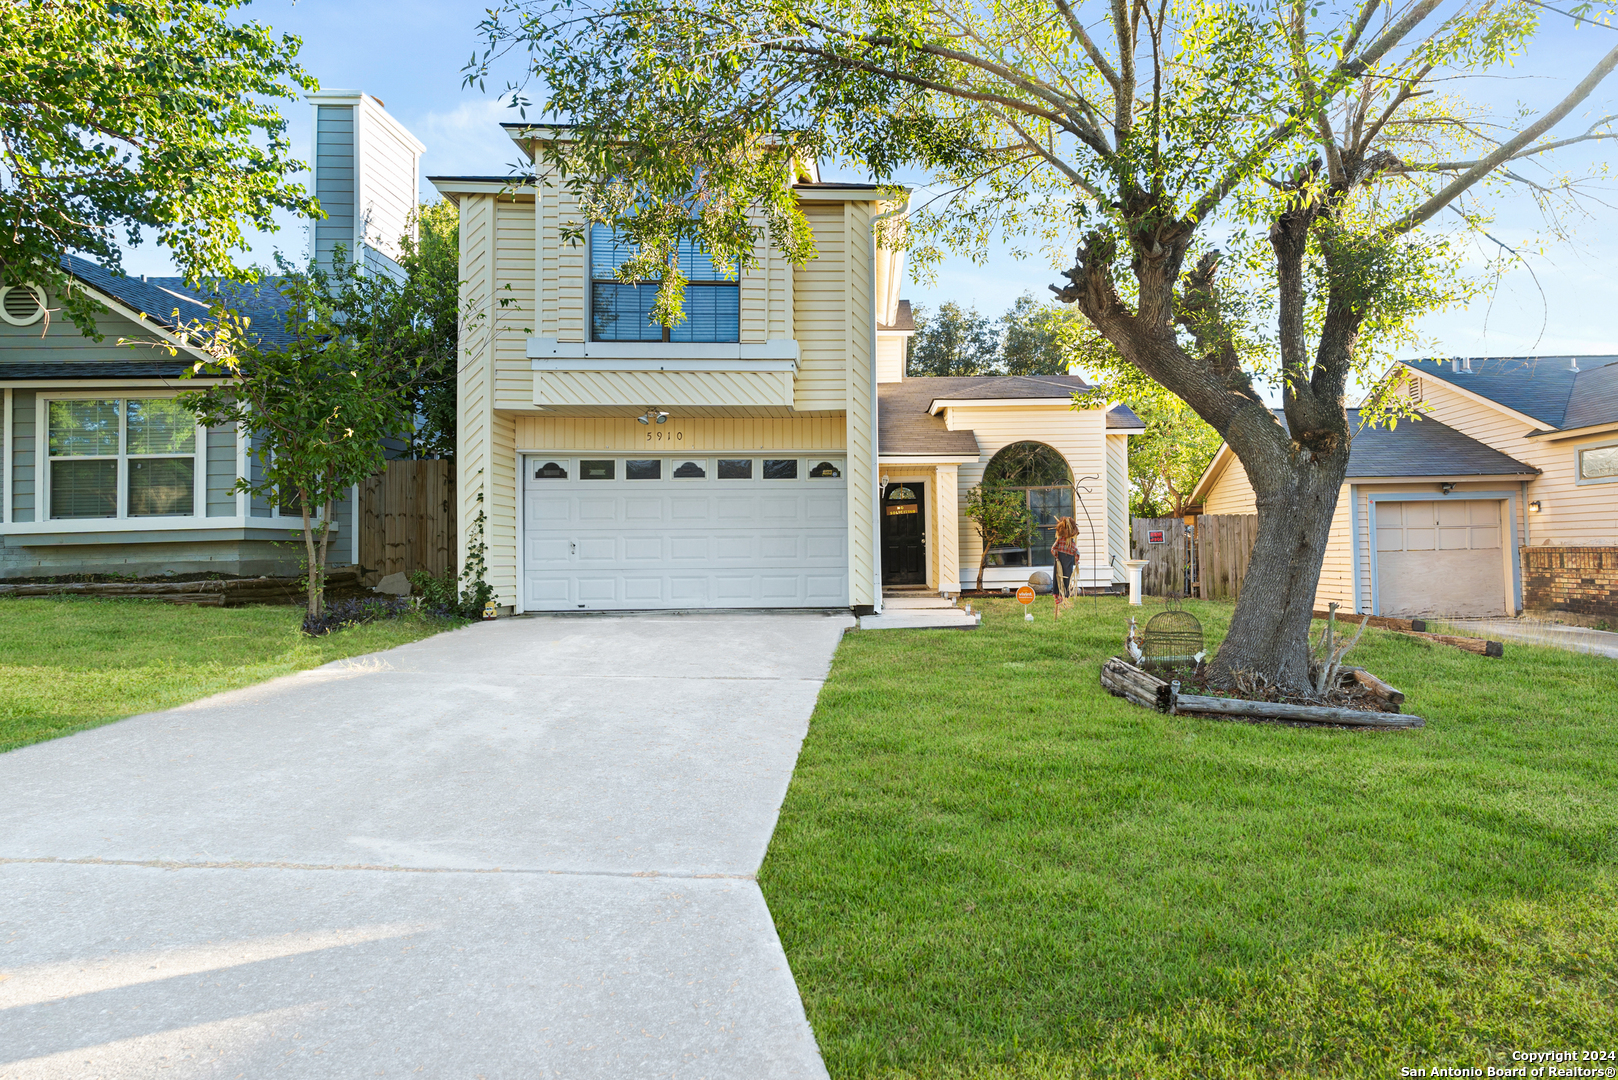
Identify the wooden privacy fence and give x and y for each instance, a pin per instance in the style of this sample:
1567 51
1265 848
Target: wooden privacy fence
1166 561
407 520
1224 546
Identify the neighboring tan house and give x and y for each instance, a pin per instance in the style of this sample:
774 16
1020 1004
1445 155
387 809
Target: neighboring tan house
735 460
100 471
1502 500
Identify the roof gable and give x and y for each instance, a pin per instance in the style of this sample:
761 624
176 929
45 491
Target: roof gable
1549 389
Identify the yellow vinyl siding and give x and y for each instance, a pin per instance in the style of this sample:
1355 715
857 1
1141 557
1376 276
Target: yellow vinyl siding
513 301
890 357
1336 569
820 296
947 532
476 368
1231 492
666 388
1574 514
622 434
1080 437
858 376
1118 504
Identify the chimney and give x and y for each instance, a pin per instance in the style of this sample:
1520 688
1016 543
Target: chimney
1455 364
1573 363
365 165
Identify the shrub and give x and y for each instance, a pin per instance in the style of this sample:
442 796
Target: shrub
341 613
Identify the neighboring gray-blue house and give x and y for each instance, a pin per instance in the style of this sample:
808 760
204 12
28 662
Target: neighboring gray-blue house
100 470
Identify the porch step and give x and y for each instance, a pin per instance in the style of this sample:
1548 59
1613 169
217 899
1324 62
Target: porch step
909 603
922 619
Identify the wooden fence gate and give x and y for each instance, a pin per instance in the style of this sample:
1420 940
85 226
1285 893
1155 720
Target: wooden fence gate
1167 558
407 520
1224 546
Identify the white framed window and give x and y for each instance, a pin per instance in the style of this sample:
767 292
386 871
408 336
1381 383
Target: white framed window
688 468
126 455
780 468
1598 464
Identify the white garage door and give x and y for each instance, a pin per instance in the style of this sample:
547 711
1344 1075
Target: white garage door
1441 558
622 533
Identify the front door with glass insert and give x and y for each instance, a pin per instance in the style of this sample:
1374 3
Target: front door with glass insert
904 534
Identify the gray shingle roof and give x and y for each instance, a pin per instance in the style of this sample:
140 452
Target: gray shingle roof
1122 417
1543 387
105 369
904 426
1422 448
987 387
170 302
904 318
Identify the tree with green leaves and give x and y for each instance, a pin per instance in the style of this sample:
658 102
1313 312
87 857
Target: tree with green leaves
412 326
122 116
314 402
1001 516
953 341
1251 188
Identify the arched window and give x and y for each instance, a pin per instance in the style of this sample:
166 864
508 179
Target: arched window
1043 476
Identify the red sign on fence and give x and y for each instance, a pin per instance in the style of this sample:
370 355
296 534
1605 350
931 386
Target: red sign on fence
1154 536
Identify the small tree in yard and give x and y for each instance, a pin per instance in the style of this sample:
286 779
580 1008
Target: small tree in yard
315 408
1001 516
1316 144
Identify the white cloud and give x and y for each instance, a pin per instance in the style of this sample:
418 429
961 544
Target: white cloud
467 140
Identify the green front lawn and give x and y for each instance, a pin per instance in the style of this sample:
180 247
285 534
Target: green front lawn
988 867
67 665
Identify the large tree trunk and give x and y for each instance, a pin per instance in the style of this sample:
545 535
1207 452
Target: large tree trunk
1269 632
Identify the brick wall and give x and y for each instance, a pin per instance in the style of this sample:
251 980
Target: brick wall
1583 580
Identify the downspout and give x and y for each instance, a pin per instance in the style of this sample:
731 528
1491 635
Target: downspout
876 449
1522 556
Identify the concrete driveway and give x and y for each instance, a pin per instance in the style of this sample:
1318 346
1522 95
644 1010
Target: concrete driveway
522 849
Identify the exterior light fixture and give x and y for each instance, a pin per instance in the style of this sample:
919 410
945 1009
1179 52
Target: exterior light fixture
642 419
1446 488
1534 507
653 414
662 417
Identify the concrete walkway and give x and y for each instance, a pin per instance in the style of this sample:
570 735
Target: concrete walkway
1539 632
522 849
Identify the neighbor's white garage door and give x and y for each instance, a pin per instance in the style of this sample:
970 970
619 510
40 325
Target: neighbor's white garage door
622 533
1443 557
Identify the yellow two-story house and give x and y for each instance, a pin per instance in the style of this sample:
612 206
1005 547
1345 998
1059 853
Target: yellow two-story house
767 452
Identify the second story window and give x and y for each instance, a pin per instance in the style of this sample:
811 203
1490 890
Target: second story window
622 310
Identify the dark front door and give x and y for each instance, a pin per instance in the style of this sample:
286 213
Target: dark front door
904 535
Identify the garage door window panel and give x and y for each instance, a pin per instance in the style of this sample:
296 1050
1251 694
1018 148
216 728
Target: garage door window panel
598 469
780 468
689 469
643 469
550 470
735 468
826 470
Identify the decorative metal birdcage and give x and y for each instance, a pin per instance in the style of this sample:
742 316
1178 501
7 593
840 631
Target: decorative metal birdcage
1172 640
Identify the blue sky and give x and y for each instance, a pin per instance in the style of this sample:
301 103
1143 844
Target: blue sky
410 54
